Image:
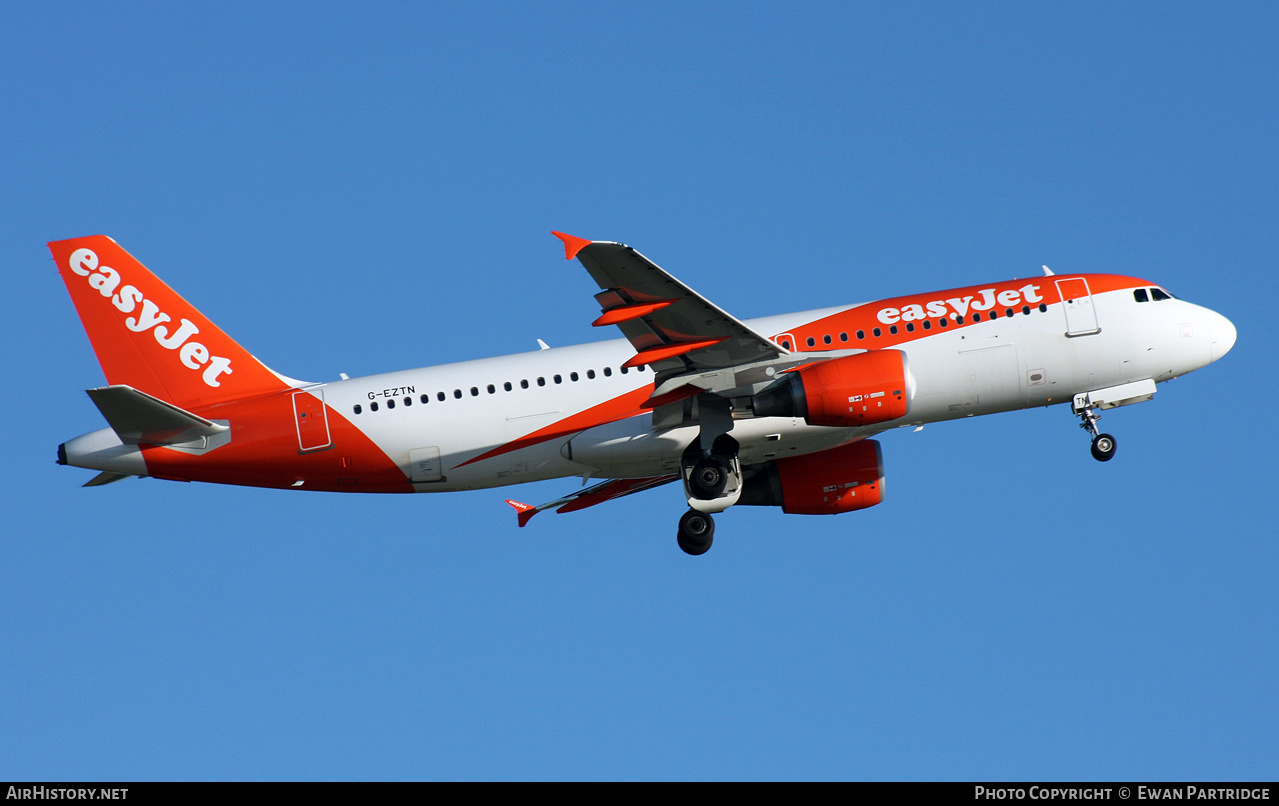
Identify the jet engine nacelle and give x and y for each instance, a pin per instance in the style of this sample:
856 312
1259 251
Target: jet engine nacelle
841 479
862 389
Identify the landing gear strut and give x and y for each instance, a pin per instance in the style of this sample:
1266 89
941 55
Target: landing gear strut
1103 445
696 530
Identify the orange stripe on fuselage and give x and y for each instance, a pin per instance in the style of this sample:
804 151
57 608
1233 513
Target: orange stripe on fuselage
264 452
932 307
627 405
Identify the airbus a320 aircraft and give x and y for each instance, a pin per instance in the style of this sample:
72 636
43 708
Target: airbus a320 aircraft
778 411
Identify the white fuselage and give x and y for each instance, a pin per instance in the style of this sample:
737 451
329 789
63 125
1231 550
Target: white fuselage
999 365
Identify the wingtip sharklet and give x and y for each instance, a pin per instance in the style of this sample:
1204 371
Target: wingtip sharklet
522 511
572 244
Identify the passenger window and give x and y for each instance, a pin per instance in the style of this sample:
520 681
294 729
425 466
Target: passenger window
944 322
843 337
910 327
928 324
861 334
590 374
826 339
358 409
439 396
390 404
373 406
524 383
893 330
558 379
1025 310
408 401
492 389
425 399
812 342
877 332
541 382
1009 312
625 369
507 386
457 393
785 344
1043 308
572 376
608 372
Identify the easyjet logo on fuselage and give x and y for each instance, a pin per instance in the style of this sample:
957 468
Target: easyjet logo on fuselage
193 355
983 300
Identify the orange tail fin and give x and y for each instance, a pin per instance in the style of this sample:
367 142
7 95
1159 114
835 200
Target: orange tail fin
147 336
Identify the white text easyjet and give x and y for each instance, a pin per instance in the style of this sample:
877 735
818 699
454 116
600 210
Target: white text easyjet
192 354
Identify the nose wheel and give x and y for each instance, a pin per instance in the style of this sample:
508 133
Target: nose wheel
1103 445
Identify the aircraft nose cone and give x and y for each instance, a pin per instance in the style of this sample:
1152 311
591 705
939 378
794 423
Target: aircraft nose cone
1223 336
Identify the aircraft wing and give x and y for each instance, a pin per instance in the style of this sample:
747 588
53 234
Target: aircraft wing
672 327
591 496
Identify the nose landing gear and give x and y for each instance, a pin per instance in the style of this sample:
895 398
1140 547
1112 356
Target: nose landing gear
1086 405
1103 445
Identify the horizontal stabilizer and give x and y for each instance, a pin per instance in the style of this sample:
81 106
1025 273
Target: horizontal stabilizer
140 419
105 477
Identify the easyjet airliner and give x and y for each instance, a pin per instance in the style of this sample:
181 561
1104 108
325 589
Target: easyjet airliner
778 411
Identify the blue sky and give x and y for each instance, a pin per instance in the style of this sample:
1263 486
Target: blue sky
359 190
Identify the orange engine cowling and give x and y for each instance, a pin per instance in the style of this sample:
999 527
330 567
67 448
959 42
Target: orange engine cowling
862 389
841 479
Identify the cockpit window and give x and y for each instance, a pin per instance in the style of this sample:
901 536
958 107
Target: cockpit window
1159 294
1140 295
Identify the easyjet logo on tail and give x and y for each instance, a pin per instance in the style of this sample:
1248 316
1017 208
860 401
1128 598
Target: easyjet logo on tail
127 299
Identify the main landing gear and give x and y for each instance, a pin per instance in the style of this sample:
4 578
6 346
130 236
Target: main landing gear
712 475
1103 445
696 531
713 484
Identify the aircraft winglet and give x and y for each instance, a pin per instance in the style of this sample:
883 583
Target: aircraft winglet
572 244
522 511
